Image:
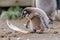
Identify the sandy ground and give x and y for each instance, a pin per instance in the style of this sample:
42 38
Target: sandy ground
8 34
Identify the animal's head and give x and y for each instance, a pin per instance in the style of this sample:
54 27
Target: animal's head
26 12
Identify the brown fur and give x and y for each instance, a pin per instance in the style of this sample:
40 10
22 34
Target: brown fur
33 14
36 23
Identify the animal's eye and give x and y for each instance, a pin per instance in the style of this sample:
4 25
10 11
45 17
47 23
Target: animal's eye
25 12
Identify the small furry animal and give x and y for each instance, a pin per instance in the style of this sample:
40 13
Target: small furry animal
37 17
49 6
36 24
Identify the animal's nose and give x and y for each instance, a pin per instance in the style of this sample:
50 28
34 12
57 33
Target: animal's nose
21 17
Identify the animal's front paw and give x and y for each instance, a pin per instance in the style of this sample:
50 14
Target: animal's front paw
41 32
33 31
51 22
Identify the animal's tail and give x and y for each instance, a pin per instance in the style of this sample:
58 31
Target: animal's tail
44 18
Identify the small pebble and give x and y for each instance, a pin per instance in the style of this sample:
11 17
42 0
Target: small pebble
28 39
14 35
16 31
55 32
18 38
51 28
9 33
8 38
2 36
2 28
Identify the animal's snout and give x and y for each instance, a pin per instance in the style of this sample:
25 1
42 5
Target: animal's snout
21 17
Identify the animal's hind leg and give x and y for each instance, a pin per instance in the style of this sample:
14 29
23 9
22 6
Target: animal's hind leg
52 17
33 30
31 26
41 29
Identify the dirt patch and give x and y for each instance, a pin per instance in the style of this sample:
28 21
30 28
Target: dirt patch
8 34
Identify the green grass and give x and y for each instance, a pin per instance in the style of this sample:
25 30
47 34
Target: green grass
13 13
